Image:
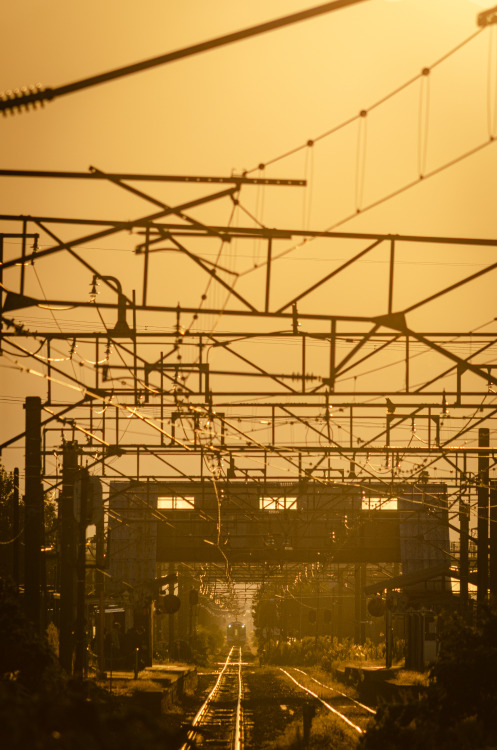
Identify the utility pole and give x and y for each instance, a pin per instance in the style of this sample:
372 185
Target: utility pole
493 542
67 555
33 509
483 484
172 580
98 519
359 603
463 552
80 624
363 603
15 530
388 637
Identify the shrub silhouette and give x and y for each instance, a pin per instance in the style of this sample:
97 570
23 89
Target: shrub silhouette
23 654
458 709
41 708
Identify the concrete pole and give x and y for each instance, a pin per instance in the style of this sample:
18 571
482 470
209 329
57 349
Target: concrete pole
483 493
15 531
33 508
67 556
80 624
463 552
493 542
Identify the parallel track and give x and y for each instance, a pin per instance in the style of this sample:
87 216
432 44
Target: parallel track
219 722
357 707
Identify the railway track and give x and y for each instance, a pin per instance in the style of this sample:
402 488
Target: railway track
352 712
247 710
218 722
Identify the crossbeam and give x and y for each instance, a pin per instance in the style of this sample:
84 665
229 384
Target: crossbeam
233 179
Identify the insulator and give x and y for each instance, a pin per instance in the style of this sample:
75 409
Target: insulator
10 101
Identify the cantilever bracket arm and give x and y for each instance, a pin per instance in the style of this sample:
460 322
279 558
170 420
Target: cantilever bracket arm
226 347
333 273
114 229
234 179
212 272
178 212
481 372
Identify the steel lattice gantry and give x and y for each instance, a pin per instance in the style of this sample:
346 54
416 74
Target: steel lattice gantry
182 368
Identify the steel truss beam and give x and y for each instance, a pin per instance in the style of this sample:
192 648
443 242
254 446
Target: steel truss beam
163 394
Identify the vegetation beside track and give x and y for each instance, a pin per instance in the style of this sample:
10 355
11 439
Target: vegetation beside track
43 709
457 712
324 652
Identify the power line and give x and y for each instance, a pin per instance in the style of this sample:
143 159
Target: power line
24 98
363 112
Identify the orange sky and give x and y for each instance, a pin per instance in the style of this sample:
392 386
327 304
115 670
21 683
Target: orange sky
248 103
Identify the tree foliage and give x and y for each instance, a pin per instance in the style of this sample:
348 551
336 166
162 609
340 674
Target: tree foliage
458 710
6 522
24 657
6 487
325 652
41 708
8 532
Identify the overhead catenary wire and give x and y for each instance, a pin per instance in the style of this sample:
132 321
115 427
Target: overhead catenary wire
423 121
423 125
375 105
296 468
18 99
104 399
423 142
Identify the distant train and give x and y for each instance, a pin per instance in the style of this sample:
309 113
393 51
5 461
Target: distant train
236 634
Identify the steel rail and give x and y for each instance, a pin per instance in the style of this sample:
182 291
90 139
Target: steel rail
203 712
324 703
238 716
204 707
328 687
